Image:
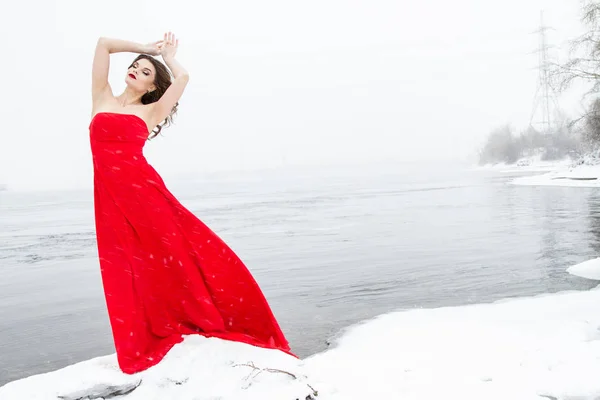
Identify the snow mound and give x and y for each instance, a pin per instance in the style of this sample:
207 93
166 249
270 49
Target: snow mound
197 369
589 269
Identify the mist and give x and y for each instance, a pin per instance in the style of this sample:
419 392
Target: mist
277 85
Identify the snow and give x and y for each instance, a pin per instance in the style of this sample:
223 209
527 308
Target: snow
517 349
589 269
199 368
528 164
578 176
542 347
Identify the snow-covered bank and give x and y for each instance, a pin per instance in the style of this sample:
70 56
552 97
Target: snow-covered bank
577 176
528 164
534 348
544 347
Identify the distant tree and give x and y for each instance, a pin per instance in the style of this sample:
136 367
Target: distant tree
501 146
531 139
591 131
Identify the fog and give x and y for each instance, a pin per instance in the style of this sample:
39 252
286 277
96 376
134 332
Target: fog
278 84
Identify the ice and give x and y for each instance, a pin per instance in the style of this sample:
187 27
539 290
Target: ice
589 269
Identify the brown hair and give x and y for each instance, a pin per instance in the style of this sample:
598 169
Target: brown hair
162 81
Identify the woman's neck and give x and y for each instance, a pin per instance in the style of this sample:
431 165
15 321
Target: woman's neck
130 98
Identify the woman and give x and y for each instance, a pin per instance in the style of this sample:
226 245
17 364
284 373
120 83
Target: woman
165 273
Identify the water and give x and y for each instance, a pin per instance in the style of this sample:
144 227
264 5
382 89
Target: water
329 248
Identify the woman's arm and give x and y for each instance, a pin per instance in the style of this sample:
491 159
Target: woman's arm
176 68
162 108
121 46
100 67
104 48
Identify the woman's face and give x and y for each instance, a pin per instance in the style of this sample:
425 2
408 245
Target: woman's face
141 75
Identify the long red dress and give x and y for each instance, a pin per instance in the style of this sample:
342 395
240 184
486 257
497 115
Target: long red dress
165 273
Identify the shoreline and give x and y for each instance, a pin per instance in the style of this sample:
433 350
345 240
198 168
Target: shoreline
532 345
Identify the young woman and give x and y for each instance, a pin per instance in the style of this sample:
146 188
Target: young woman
165 273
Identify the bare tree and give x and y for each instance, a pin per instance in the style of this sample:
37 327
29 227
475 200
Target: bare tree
584 54
584 65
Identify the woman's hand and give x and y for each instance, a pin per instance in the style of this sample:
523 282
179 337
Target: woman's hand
154 48
168 46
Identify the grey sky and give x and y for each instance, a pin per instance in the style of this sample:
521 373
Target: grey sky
275 82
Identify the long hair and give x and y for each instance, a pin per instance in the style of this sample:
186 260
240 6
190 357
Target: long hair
162 81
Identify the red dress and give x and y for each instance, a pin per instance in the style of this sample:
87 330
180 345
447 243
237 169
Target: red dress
165 273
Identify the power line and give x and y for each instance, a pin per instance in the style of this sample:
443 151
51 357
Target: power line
544 95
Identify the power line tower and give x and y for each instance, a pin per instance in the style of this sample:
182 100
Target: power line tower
544 98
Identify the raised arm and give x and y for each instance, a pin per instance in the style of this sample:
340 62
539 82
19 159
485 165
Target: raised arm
105 47
162 108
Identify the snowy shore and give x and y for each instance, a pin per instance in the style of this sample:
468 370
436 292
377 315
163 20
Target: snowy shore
543 347
572 173
576 176
531 164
